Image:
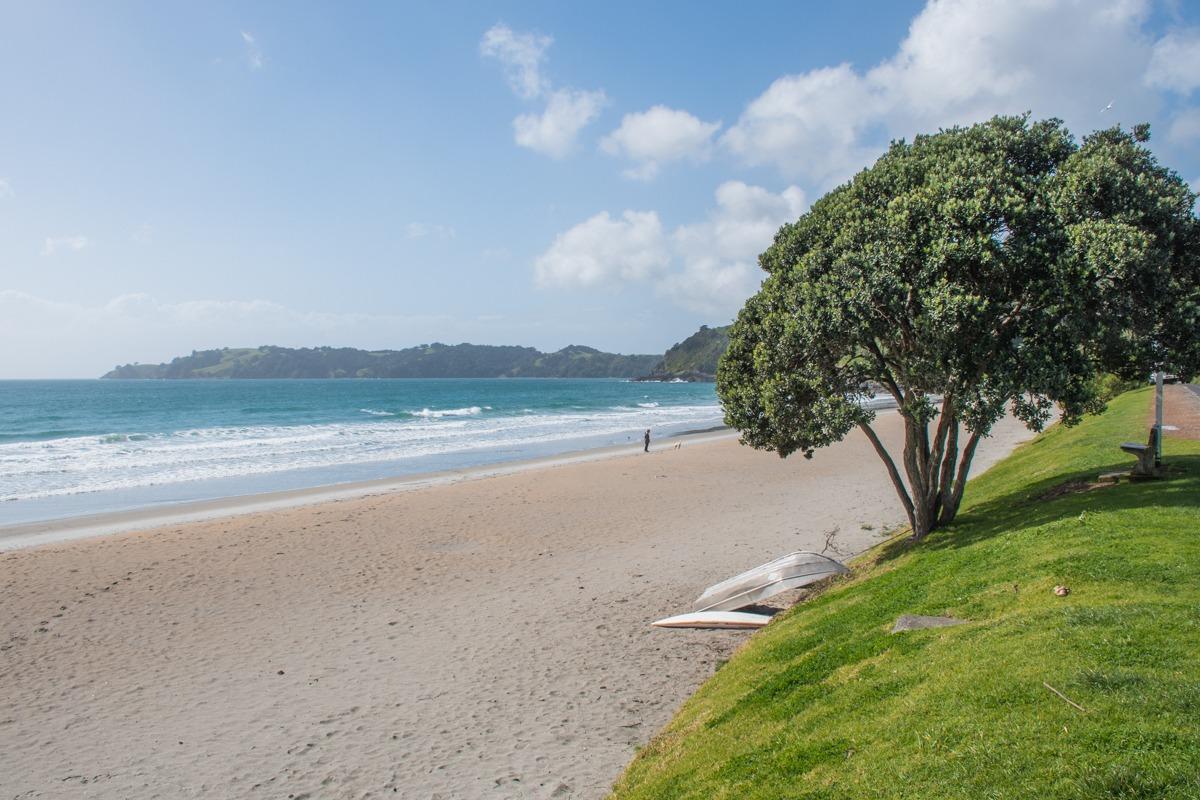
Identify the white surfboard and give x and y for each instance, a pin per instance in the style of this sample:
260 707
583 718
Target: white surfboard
714 619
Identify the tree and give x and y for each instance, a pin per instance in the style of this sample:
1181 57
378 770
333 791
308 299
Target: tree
972 271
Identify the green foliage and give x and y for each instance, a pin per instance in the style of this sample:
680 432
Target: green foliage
994 266
825 702
426 361
696 357
136 371
1107 386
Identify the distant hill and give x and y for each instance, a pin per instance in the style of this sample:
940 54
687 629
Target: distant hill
425 361
693 359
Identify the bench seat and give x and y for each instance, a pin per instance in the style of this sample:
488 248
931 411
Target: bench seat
1146 455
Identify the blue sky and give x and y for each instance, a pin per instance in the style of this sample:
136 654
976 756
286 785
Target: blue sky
178 177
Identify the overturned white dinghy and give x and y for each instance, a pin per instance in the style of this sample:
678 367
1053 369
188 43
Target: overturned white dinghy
786 572
714 619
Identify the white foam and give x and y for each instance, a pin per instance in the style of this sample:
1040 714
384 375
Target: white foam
448 412
83 464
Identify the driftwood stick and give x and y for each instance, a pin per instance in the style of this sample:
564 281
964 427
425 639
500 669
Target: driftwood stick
1064 697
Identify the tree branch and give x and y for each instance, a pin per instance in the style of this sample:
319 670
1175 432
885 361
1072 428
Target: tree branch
960 483
886 377
893 473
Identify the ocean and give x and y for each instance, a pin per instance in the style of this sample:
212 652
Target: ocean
70 448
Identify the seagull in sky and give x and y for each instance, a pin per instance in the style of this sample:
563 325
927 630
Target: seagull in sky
1106 108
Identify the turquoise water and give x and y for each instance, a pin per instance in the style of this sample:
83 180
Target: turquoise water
82 447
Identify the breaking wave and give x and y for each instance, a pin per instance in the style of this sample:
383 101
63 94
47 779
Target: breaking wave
123 461
471 411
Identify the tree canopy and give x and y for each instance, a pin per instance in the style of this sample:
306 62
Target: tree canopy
972 271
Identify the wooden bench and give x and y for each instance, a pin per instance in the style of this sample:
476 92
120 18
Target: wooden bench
1146 455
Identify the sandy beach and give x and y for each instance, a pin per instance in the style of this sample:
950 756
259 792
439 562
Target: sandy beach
477 638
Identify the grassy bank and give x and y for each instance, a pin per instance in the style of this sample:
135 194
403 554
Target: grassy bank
826 703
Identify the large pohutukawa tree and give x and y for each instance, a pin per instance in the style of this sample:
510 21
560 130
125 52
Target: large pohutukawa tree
969 272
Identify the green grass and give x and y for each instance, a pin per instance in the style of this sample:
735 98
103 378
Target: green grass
826 703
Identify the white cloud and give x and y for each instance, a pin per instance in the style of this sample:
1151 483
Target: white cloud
659 135
708 266
962 61
1175 62
743 224
521 54
603 250
423 230
254 56
55 244
553 132
5 189
811 125
718 258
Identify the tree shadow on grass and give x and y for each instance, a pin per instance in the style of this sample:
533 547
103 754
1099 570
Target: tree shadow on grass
1029 507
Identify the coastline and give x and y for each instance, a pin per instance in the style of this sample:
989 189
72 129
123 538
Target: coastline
65 529
481 638
209 440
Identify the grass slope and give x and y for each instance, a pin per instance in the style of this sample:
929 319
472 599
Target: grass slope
826 703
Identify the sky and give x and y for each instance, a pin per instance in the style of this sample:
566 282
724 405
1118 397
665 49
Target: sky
177 177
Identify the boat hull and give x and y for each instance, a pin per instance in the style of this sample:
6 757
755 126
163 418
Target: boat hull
791 571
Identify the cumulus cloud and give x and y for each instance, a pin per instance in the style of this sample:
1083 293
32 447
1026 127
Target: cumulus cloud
1175 62
708 266
567 111
426 230
717 259
56 244
811 125
254 56
659 135
521 55
603 250
553 132
961 61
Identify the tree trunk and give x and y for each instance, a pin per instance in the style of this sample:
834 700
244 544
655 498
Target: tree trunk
950 507
936 472
916 460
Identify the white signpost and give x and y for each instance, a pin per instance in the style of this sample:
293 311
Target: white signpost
1158 414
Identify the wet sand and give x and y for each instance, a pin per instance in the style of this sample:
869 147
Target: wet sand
478 638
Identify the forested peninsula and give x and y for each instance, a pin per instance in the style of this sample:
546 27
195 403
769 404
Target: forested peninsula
693 359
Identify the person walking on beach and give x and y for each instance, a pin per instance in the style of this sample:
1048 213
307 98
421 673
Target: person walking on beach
646 438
